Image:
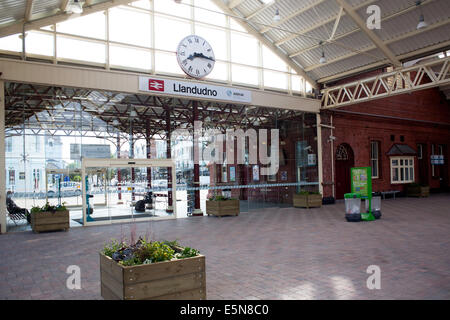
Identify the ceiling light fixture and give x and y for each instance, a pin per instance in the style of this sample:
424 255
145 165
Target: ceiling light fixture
277 16
422 24
322 60
75 7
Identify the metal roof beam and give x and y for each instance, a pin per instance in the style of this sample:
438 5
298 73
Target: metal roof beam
372 36
18 27
403 80
264 7
403 57
341 36
292 15
29 10
390 41
320 24
235 3
267 43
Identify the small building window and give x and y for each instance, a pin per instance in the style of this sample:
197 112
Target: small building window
402 170
375 158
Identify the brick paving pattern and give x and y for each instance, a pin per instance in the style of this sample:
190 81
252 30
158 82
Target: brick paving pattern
262 254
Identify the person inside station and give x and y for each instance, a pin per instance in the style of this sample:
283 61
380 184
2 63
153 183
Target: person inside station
14 210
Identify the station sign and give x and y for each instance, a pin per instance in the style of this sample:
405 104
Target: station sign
437 159
193 89
98 151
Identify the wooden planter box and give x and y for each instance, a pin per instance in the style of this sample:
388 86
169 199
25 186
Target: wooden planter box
50 221
307 200
417 191
222 208
183 279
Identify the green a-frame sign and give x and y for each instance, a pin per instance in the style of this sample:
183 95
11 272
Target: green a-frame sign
361 179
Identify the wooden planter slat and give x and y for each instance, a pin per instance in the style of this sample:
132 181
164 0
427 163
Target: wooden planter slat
223 208
307 201
49 221
176 279
418 191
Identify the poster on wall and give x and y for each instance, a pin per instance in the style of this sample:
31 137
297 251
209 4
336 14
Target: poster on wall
255 173
312 159
284 175
232 174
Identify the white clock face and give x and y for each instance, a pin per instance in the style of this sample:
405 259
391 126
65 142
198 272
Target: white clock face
195 56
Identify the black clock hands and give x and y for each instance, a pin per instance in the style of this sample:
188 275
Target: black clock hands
199 55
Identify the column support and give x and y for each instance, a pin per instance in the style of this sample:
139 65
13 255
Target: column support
319 153
148 149
169 156
2 159
197 211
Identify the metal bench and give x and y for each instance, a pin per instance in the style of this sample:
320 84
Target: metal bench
393 192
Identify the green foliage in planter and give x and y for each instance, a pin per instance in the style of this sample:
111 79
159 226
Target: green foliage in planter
220 198
49 208
112 247
187 253
146 252
305 193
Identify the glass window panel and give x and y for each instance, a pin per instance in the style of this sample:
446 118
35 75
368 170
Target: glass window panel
275 79
209 15
169 32
244 49
173 8
308 87
244 74
80 50
395 174
410 162
297 83
91 25
167 62
395 162
129 26
220 71
236 26
48 28
217 38
144 4
272 61
130 57
11 43
39 43
401 174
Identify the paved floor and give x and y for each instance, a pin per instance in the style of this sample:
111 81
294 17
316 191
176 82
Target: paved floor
262 254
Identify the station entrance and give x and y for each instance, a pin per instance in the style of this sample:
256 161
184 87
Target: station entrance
55 137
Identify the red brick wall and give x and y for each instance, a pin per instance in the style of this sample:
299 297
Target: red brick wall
420 117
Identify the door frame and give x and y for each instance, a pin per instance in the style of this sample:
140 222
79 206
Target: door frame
126 163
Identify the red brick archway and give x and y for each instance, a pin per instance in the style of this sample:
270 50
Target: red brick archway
344 161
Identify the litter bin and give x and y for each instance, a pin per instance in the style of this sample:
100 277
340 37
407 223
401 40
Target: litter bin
352 207
376 205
